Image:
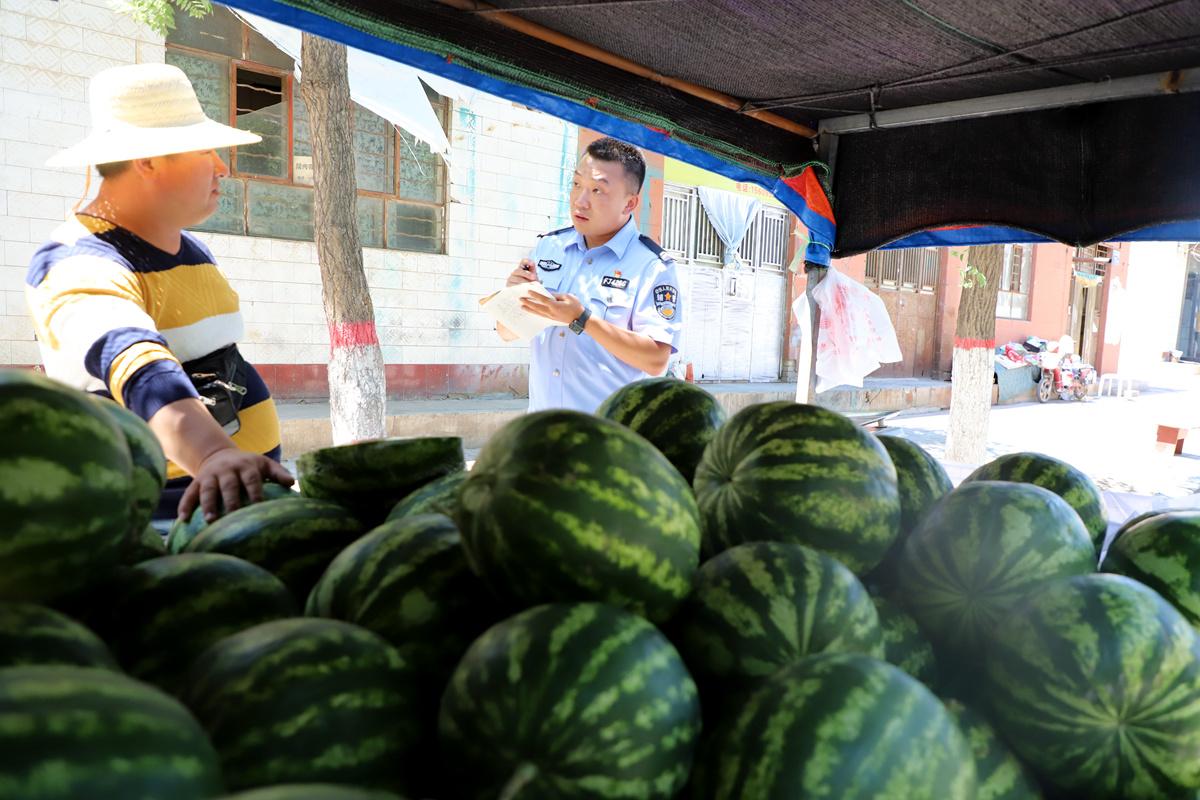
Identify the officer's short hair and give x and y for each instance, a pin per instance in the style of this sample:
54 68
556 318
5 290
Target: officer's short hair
112 168
623 153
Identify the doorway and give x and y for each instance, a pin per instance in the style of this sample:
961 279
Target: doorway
1085 314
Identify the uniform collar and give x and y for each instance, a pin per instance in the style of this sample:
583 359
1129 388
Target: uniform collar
620 241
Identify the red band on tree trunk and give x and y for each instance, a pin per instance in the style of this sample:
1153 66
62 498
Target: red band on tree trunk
352 334
971 344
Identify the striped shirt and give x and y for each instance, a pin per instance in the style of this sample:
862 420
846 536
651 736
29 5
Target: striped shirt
115 314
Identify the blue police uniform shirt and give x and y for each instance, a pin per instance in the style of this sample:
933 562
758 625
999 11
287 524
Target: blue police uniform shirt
627 282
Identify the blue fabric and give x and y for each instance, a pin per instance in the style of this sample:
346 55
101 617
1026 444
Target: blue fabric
994 234
104 351
155 385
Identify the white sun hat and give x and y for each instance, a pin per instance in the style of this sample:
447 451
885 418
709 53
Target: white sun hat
145 110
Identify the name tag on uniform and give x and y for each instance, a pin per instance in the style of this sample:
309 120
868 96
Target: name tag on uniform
608 281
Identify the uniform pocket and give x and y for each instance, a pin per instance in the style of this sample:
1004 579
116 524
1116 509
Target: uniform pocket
615 311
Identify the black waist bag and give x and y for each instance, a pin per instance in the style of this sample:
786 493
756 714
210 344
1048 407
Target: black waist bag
220 378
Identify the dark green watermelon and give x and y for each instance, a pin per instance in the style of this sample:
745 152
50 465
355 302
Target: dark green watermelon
677 417
998 773
149 463
979 553
1163 552
565 506
32 634
369 478
146 545
306 701
922 482
436 497
903 643
761 606
312 791
294 538
569 700
183 531
70 733
67 480
161 614
797 473
1095 683
837 726
1059 477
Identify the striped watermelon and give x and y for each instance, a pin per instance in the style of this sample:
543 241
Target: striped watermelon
183 531
306 700
67 487
903 643
369 478
1059 477
570 700
797 473
69 733
677 417
842 726
436 497
998 773
1096 686
32 634
1163 552
761 606
566 506
294 539
981 551
149 462
161 614
146 545
922 482
312 791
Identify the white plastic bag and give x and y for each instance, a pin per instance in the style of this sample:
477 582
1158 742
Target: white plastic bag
856 334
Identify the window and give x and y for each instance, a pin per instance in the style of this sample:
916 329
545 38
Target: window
1012 300
906 269
242 80
689 235
1093 260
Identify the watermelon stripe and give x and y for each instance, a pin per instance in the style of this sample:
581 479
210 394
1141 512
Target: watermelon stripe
32 634
1163 552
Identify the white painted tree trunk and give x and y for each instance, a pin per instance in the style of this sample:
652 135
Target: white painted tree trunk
970 405
357 405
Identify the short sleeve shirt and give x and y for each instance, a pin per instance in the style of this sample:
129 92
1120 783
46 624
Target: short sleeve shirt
626 282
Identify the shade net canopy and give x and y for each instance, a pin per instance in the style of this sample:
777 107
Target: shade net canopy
1078 174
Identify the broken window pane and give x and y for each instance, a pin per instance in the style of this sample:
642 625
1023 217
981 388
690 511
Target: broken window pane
261 109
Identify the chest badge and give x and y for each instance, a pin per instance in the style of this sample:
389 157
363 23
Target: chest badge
614 282
546 265
665 300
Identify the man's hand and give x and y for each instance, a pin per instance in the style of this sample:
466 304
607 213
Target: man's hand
562 308
525 273
222 475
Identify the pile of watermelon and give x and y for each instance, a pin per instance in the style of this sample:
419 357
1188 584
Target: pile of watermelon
650 602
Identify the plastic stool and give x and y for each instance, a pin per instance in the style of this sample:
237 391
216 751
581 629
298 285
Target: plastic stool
1123 384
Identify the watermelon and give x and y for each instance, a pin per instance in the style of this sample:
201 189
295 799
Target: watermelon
161 614
66 487
979 552
1163 552
294 538
797 473
312 791
184 530
903 643
842 726
1095 683
149 462
677 417
436 497
569 700
564 506
998 773
922 482
68 733
1059 477
305 700
369 478
761 606
32 634
147 544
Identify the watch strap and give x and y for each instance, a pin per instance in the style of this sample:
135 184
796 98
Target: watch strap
580 321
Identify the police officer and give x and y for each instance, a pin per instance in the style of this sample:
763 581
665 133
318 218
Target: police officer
615 295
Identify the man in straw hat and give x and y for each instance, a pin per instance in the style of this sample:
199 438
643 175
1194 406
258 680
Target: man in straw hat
128 304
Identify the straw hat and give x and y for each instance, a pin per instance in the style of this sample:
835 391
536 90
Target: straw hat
145 110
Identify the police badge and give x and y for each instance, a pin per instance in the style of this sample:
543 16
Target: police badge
665 299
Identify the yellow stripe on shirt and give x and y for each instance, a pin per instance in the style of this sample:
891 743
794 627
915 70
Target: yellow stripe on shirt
133 358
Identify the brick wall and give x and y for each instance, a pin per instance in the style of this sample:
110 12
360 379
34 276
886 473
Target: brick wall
509 179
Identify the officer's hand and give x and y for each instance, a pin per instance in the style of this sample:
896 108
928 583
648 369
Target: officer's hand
221 477
562 308
526 273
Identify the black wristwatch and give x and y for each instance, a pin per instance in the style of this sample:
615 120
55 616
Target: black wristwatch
578 324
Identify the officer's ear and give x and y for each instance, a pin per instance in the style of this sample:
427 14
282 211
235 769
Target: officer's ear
631 203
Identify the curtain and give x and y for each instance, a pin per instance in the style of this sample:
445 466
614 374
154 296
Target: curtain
731 215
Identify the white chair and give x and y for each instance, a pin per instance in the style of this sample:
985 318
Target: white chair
1122 384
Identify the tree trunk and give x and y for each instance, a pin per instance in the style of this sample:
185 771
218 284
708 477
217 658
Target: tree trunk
357 392
974 342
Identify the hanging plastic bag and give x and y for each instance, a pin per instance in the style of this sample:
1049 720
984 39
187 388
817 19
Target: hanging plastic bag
856 334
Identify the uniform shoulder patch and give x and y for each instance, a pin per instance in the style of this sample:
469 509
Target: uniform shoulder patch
666 301
652 245
555 233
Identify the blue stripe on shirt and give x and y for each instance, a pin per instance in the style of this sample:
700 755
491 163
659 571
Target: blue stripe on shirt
104 351
156 385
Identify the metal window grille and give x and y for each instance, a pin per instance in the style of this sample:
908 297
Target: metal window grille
708 244
773 237
688 233
677 215
909 270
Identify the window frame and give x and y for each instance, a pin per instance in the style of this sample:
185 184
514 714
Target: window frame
897 270
1024 279
755 243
